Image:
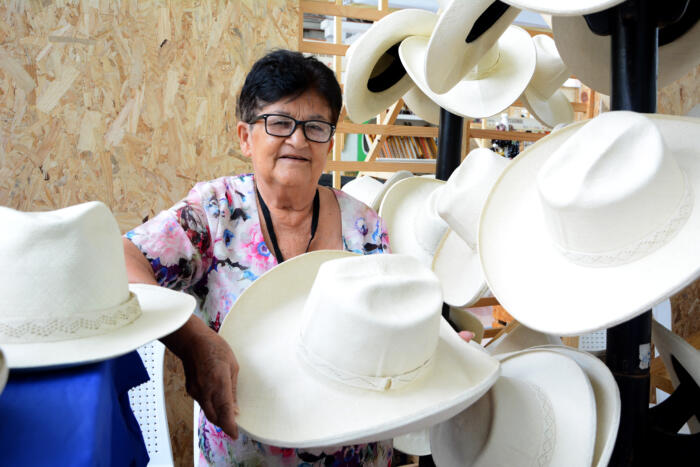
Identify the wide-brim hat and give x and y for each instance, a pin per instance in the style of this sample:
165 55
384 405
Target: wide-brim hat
568 8
163 311
516 337
409 221
541 411
587 55
4 371
284 403
371 191
464 32
422 106
673 347
607 400
374 76
543 96
477 95
521 239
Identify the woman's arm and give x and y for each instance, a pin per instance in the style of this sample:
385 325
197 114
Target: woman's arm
211 369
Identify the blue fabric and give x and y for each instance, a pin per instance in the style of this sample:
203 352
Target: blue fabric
77 416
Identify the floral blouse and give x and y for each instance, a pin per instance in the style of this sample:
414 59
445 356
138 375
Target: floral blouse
211 246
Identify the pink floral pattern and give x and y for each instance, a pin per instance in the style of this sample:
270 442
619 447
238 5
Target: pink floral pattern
210 245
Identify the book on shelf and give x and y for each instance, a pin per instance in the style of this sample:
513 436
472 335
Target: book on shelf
407 147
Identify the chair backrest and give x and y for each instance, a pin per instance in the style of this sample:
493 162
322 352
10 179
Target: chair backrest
148 403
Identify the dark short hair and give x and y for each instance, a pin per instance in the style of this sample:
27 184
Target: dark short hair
285 73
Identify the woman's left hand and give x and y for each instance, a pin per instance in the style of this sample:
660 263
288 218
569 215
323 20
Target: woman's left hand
466 335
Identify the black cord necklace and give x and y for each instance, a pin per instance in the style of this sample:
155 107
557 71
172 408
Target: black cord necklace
271 229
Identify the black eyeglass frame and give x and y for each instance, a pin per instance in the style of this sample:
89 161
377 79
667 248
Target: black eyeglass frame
294 128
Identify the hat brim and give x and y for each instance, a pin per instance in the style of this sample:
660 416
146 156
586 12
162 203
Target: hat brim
559 8
587 55
448 56
484 97
284 403
532 279
4 371
414 444
456 265
457 441
607 400
551 111
364 55
163 311
422 106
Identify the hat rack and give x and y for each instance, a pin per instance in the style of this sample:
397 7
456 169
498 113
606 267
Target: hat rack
386 122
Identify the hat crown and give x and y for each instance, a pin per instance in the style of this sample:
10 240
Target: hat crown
372 321
64 274
465 192
428 226
613 192
550 70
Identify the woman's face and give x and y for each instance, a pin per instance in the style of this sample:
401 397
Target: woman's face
293 160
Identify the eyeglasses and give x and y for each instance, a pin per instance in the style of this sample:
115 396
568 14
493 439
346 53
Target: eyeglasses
317 131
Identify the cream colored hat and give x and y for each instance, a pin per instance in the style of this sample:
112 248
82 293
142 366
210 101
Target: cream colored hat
409 210
422 106
542 97
371 191
498 79
465 33
4 371
587 55
541 411
65 296
517 337
670 347
360 337
607 400
601 215
566 8
374 76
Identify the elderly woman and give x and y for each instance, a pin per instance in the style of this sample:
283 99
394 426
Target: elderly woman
227 232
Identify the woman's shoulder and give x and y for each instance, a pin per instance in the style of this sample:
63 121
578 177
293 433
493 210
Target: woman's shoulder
363 230
351 205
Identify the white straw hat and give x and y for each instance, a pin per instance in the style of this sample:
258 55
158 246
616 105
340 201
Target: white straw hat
374 76
543 96
409 210
599 215
4 371
672 347
500 76
564 8
422 105
541 411
517 337
607 400
414 444
66 299
359 337
464 33
587 55
371 191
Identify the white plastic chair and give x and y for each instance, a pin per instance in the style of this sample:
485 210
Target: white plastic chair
593 342
148 403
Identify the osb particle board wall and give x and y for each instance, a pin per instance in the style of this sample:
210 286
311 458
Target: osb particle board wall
128 102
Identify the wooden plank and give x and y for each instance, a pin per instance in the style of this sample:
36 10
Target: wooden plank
425 166
323 48
394 130
345 11
486 301
511 135
580 107
388 119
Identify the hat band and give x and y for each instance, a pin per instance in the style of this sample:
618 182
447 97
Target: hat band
75 326
642 247
375 383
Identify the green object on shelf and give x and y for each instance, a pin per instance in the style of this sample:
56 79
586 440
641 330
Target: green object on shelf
361 151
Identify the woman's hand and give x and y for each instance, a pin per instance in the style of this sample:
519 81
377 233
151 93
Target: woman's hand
466 335
211 372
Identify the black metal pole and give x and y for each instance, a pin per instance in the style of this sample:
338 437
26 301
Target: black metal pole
634 65
449 144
